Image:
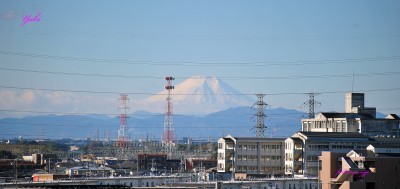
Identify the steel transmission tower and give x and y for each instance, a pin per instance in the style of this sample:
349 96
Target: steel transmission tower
311 103
168 136
260 125
123 109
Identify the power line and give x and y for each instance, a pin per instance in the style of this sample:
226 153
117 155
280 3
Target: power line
224 77
196 37
80 74
144 93
193 63
141 115
97 126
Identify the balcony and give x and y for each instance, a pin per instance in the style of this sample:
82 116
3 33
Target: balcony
229 147
298 163
312 163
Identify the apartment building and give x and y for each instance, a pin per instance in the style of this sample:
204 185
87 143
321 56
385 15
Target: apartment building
356 118
251 155
303 148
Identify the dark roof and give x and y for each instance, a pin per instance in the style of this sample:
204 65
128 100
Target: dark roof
259 139
393 145
333 134
394 116
346 115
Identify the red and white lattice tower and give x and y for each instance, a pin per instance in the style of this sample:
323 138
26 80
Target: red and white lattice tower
168 136
123 109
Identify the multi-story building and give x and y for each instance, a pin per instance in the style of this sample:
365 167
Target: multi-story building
303 148
250 155
360 169
356 118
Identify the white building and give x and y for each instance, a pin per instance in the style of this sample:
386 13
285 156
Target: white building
303 148
357 118
250 155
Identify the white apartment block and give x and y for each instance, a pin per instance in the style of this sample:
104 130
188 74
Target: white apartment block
356 118
303 148
251 155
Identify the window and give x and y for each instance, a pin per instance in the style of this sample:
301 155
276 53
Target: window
263 147
220 146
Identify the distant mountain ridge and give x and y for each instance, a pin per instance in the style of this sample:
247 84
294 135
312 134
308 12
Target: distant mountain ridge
203 107
235 121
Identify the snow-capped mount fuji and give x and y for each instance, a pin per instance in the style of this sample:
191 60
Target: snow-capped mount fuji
198 95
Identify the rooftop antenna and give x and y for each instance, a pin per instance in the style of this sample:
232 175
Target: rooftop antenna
352 84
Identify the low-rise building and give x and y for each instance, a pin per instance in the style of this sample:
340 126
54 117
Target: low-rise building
192 164
303 148
251 155
359 170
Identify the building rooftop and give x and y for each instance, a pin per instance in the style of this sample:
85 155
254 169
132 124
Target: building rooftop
254 138
346 115
393 116
394 146
333 134
330 136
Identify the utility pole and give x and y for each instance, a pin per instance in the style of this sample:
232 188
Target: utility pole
15 163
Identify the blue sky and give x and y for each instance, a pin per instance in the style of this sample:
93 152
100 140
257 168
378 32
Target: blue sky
148 39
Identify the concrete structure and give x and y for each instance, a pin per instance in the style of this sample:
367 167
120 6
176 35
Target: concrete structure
359 170
169 182
357 118
89 171
48 177
250 155
195 164
303 148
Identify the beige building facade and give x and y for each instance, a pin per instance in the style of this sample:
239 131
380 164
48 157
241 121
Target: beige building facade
362 169
303 148
251 155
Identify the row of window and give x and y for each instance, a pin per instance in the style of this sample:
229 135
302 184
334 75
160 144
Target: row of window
254 147
265 169
323 124
263 158
319 147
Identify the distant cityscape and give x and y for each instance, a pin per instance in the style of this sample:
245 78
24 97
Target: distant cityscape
350 149
200 94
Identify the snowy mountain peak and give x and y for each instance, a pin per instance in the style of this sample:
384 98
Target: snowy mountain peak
198 95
